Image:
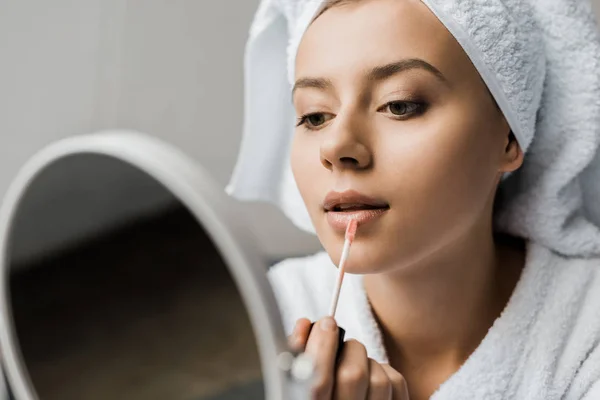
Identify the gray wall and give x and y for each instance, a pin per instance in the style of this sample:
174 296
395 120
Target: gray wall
172 69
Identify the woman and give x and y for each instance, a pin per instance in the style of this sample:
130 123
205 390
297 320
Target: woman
475 272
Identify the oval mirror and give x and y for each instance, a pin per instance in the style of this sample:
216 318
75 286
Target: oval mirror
126 273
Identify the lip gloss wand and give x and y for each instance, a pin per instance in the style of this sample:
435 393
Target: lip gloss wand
349 238
301 367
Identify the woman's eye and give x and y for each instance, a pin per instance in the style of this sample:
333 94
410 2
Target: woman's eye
314 121
403 108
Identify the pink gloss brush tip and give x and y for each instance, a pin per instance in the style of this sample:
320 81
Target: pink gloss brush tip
351 230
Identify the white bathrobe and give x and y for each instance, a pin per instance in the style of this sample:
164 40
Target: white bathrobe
540 59
544 346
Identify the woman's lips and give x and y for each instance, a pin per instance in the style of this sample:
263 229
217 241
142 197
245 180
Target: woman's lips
342 207
339 220
351 198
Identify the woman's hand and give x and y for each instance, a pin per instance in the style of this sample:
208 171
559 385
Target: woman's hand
355 376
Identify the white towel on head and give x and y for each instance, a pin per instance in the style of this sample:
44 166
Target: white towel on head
541 62
550 199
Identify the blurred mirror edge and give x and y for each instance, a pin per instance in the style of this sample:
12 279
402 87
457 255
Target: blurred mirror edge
64 267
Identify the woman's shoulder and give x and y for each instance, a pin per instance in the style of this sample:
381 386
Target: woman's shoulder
575 272
571 288
303 287
578 274
565 337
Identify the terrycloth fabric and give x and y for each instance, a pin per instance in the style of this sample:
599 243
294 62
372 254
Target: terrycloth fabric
544 346
545 199
541 62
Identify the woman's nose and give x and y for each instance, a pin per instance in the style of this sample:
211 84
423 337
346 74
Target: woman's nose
343 149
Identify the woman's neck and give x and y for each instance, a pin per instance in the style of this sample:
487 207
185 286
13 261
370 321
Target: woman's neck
435 313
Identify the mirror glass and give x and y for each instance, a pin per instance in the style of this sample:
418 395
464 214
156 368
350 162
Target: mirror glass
118 292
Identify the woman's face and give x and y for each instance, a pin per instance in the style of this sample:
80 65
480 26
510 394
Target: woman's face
395 129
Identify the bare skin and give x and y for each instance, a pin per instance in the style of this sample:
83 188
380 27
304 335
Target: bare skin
426 138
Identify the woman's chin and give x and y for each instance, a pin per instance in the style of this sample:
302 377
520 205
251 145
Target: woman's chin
363 259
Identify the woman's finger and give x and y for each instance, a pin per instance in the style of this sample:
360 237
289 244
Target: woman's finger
322 347
299 336
380 387
399 386
352 375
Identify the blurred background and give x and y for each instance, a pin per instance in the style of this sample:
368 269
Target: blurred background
172 69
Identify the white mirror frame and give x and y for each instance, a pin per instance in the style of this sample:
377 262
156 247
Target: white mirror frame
209 204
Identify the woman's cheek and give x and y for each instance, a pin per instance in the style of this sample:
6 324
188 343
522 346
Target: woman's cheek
305 162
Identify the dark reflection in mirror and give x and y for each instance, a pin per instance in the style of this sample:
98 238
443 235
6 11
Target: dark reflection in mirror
137 307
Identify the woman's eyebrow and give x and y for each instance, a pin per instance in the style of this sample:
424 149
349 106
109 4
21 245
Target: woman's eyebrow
378 73
315 83
383 72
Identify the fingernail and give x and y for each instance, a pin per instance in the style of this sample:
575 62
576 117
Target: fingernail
328 324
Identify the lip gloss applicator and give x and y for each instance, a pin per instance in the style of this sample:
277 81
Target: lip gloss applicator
301 367
349 238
